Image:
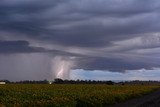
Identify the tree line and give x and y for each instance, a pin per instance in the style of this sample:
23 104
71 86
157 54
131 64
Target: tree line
59 81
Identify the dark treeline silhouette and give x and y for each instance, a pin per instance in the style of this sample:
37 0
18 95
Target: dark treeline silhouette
33 82
138 82
61 81
26 82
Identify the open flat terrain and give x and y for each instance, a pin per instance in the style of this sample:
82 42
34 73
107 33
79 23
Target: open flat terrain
71 95
149 100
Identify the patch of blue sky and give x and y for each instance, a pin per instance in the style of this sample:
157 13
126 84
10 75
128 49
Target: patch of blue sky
141 74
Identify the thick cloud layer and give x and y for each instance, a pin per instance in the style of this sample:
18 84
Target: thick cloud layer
110 35
10 47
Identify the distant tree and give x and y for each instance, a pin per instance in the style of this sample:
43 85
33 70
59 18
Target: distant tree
58 80
110 82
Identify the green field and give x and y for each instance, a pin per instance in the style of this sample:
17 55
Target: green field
68 95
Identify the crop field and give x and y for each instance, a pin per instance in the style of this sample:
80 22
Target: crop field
68 95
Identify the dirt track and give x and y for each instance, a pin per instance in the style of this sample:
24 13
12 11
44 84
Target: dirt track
150 100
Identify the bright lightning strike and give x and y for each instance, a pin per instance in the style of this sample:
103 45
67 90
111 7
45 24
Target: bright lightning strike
61 67
61 71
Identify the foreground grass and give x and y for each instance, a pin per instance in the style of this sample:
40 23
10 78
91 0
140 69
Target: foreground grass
59 95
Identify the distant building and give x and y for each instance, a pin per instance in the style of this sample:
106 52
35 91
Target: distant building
2 82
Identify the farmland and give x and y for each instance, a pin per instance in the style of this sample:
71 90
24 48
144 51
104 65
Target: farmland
69 95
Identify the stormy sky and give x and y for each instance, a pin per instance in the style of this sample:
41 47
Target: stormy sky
115 36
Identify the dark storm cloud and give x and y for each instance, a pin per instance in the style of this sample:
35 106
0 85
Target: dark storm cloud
102 26
80 23
20 46
116 64
9 47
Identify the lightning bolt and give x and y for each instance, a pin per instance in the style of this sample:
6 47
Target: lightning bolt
61 71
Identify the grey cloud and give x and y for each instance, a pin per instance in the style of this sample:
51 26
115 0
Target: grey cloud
37 19
141 42
117 64
20 46
9 47
89 24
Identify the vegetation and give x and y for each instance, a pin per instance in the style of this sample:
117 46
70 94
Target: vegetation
60 81
69 95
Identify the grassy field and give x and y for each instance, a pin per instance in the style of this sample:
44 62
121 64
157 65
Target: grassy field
68 95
